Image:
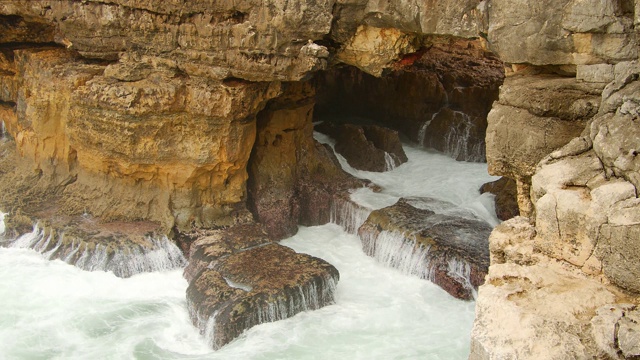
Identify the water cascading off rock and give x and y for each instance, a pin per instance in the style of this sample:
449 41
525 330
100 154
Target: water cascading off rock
123 255
450 251
239 279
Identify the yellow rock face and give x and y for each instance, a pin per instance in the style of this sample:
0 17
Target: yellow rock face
162 146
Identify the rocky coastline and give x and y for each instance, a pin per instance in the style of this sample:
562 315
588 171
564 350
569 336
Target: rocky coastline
134 124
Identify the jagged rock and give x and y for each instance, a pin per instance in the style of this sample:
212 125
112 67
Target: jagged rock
373 49
258 42
292 178
179 144
616 331
450 251
438 96
629 334
616 131
459 18
562 32
506 197
238 282
366 147
547 111
514 318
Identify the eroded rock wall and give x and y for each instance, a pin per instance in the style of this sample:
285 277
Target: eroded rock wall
563 281
437 96
145 110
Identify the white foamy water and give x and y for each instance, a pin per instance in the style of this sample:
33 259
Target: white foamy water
52 310
427 174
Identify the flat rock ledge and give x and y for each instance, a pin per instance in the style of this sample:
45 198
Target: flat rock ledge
124 248
238 278
449 250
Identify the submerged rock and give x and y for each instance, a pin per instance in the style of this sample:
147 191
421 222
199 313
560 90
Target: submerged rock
366 147
450 251
239 279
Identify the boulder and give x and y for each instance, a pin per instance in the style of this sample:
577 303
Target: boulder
239 279
366 147
125 249
450 251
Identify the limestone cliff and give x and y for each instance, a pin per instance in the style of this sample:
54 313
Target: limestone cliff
197 114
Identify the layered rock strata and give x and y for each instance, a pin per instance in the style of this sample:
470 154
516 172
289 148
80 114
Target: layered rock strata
122 110
238 278
450 251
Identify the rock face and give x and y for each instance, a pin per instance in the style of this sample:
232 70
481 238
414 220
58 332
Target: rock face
293 179
196 115
238 279
450 251
368 147
506 200
582 253
438 95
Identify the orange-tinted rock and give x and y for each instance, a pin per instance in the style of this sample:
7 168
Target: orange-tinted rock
292 178
366 147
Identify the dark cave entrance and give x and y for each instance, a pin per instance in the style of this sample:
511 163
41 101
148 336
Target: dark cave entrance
438 97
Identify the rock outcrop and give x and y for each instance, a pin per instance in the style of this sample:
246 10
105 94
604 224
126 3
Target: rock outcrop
292 178
450 251
196 115
238 278
582 254
366 147
506 197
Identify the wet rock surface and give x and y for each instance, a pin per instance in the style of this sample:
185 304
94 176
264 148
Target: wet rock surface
292 178
451 251
123 248
506 199
366 147
239 279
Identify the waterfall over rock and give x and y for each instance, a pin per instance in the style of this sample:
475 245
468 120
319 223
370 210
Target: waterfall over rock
348 214
238 279
123 257
450 251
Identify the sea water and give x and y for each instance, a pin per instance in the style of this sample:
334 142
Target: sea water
52 310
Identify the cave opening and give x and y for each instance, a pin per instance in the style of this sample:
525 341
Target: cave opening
437 97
